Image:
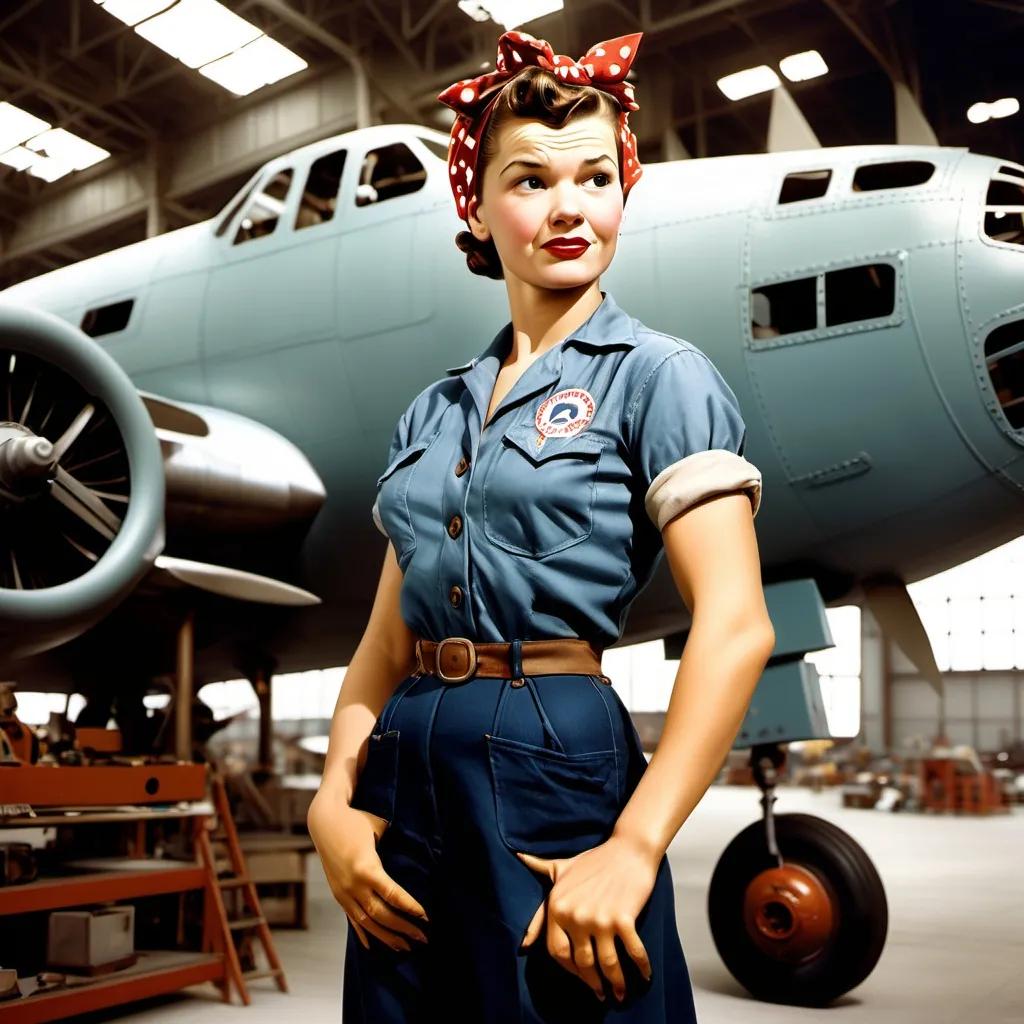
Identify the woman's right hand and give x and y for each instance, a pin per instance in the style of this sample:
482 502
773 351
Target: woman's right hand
346 840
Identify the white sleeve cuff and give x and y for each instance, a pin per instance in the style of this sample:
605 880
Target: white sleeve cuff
376 519
684 483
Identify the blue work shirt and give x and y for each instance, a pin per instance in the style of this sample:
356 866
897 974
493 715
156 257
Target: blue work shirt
555 526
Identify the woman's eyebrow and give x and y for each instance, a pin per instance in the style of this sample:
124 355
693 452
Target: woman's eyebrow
536 165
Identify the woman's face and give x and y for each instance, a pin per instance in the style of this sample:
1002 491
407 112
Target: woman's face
546 183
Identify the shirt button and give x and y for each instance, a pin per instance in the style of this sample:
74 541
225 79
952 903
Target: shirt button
455 527
461 466
455 596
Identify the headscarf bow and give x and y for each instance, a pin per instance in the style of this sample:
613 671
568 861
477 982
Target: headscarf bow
604 66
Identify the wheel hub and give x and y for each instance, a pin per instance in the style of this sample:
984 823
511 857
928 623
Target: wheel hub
27 462
788 913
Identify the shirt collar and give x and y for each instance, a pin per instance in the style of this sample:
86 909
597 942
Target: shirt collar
608 325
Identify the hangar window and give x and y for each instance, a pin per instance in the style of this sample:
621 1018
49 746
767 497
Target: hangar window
859 293
263 212
387 173
899 174
784 308
439 149
320 197
803 185
107 319
1004 357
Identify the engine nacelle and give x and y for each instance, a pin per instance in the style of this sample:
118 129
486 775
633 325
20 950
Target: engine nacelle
81 483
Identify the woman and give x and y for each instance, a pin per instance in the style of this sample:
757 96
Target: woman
526 499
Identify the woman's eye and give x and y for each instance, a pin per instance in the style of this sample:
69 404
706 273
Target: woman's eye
534 177
605 179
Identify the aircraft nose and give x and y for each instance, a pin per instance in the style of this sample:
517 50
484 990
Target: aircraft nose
991 277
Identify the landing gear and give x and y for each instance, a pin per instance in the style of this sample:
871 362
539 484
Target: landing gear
797 910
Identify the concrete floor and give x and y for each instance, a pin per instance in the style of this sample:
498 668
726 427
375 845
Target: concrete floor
954 953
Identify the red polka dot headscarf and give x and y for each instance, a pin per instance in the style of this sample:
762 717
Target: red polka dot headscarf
604 66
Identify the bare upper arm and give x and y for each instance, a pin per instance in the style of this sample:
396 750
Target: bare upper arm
386 629
712 552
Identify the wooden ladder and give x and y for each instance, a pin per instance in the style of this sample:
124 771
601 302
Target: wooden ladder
233 874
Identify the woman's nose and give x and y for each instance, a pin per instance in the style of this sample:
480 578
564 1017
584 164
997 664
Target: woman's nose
565 204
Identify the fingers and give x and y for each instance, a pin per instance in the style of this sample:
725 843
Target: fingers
535 926
635 947
608 960
398 897
381 911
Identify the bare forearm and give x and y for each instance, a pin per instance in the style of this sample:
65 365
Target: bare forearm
371 678
717 674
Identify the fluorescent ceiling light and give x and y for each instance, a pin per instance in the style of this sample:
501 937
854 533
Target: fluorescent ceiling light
19 158
749 82
801 66
259 63
1004 107
198 31
131 12
17 125
978 113
509 13
67 148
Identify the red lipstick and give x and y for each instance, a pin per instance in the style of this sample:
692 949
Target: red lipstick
567 248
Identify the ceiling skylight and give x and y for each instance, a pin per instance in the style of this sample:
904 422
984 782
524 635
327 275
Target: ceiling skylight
204 34
749 82
28 143
509 13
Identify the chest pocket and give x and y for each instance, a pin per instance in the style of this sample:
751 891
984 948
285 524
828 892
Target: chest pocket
541 500
393 499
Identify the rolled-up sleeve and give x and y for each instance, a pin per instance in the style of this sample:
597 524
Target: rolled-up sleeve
399 440
686 437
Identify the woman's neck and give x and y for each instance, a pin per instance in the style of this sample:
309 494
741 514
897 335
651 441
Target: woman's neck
542 317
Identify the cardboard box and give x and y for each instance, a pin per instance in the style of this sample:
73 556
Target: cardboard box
90 938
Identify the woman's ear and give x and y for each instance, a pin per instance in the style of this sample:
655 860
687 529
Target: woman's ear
477 224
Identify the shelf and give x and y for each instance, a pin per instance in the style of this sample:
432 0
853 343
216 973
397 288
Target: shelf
49 785
156 973
153 879
93 815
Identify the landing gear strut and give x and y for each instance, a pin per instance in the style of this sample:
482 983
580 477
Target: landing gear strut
797 910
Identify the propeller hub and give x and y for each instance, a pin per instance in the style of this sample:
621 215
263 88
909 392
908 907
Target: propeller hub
27 462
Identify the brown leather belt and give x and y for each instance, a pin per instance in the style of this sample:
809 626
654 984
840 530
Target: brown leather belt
457 660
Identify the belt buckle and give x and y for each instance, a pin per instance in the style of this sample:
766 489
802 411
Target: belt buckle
471 652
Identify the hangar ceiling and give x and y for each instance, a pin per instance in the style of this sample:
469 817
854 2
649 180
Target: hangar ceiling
181 145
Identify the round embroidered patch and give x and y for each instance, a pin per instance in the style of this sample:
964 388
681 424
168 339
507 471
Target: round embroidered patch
566 413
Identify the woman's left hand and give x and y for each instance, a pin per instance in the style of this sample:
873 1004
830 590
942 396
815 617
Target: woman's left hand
596 894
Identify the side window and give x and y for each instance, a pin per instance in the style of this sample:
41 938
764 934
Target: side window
852 294
107 319
1004 358
262 215
784 308
1004 211
320 197
899 174
859 293
439 149
804 185
389 172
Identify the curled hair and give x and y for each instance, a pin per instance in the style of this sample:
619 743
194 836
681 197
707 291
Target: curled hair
538 95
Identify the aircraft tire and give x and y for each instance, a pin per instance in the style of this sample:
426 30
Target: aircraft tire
817 967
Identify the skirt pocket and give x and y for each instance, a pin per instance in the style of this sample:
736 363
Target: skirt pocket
550 803
375 788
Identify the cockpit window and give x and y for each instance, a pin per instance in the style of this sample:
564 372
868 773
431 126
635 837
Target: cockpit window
1004 357
320 197
898 174
389 172
235 207
439 149
1004 212
264 211
803 185
1016 172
